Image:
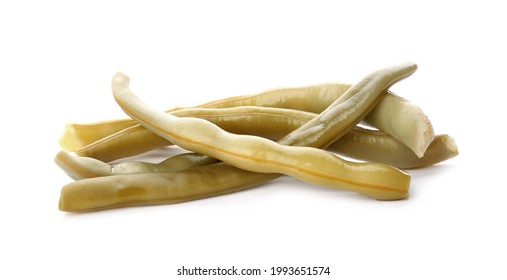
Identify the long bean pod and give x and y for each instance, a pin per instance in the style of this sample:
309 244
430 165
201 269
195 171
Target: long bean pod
76 197
274 123
76 136
377 146
84 167
412 127
261 155
157 188
359 143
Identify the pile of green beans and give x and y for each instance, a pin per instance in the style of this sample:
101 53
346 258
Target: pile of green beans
244 141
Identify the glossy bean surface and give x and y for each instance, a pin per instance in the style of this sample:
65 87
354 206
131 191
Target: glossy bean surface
394 115
69 199
261 155
78 167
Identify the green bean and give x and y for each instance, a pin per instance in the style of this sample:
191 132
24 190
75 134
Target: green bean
261 155
84 167
412 127
394 115
352 105
322 96
359 143
272 123
77 136
157 188
128 142
84 195
368 145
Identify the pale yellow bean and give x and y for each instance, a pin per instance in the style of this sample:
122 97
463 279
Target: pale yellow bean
261 155
394 115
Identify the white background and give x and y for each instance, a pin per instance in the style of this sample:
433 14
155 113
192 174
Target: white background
56 62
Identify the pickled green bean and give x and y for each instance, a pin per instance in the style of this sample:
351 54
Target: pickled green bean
85 195
394 115
84 167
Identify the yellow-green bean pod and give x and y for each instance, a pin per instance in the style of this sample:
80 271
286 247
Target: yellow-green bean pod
271 123
274 123
352 106
407 123
394 115
76 136
368 145
84 167
128 142
261 155
359 143
157 188
86 195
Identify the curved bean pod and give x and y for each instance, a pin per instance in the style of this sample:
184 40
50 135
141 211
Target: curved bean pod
76 136
374 85
369 145
157 188
84 167
411 126
359 143
86 195
395 115
261 155
271 123
349 109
